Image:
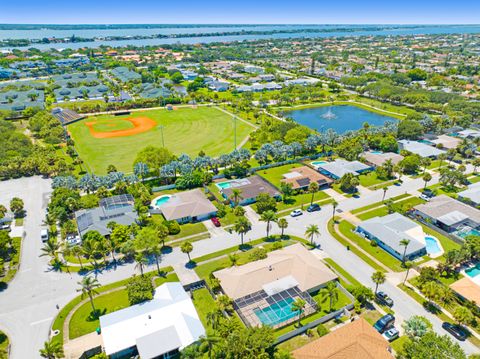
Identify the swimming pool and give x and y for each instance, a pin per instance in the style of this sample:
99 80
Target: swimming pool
276 313
432 245
473 271
469 232
376 152
224 185
318 163
159 201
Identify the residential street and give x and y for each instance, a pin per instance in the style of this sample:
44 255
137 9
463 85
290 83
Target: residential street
28 305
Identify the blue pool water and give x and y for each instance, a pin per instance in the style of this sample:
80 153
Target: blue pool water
432 245
161 200
471 232
224 185
346 118
317 163
376 152
474 271
276 313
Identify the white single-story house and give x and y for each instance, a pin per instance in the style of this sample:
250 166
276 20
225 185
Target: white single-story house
158 328
471 195
338 168
419 148
388 231
188 206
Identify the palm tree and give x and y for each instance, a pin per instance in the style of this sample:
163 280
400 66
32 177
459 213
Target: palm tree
210 342
242 226
334 204
51 350
282 224
187 247
378 278
442 157
213 318
313 188
427 177
233 258
78 252
385 189
88 287
405 243
268 216
50 249
331 291
431 290
140 262
408 265
236 196
312 231
298 306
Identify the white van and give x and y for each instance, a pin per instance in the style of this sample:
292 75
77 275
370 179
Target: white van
44 235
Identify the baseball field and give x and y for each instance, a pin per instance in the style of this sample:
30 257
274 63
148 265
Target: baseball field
108 139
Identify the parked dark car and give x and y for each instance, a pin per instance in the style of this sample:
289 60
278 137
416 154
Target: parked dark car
216 222
383 298
384 323
456 330
313 207
428 192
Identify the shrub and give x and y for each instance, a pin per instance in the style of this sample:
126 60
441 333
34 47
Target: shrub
139 289
172 226
257 254
322 330
277 245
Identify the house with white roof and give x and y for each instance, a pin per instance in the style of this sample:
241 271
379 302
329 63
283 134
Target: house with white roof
338 168
471 195
388 231
158 328
419 148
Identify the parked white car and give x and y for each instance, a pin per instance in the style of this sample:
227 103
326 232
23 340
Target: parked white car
296 213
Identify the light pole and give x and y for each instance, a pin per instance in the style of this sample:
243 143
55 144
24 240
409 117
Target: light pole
160 127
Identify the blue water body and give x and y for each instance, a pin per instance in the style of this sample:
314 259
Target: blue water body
432 245
224 185
470 232
317 163
376 152
161 200
276 313
319 33
346 118
474 271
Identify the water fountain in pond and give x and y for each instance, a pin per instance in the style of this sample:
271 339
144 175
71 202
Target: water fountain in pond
329 115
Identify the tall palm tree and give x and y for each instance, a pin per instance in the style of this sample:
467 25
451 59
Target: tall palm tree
299 306
404 242
313 188
187 248
427 177
311 232
236 196
431 290
268 216
331 291
51 350
378 278
88 287
78 252
213 318
334 204
408 265
140 262
242 226
282 223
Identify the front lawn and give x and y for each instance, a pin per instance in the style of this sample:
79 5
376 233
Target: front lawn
302 200
274 175
204 303
187 229
370 179
346 228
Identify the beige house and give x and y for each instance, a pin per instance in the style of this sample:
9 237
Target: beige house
467 289
356 339
301 177
378 159
189 206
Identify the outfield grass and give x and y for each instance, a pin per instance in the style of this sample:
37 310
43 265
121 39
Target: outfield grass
185 130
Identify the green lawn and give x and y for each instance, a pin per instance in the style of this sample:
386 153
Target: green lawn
302 200
370 179
342 272
204 303
187 229
185 130
381 255
4 342
82 321
446 242
275 174
399 205
377 204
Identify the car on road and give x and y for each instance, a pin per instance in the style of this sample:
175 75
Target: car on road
383 298
384 323
424 197
456 330
44 235
313 207
428 193
391 334
296 213
216 222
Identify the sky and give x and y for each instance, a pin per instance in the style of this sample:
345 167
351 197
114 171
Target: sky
240 11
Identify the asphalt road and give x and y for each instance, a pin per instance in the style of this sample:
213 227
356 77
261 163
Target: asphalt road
28 305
